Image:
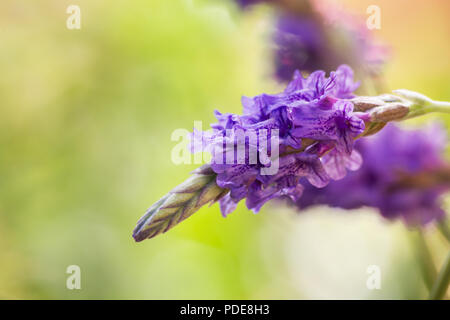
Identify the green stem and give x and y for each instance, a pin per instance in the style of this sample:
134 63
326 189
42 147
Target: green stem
436 106
443 228
427 267
421 104
441 106
442 281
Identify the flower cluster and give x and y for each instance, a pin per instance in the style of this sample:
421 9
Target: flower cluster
308 131
403 175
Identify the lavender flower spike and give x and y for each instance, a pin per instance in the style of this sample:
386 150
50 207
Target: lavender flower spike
305 133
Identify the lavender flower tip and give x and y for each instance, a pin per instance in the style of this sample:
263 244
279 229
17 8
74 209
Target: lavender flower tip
179 204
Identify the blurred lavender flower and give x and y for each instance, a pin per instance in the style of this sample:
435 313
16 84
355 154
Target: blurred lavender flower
403 175
312 35
362 48
311 117
300 44
246 3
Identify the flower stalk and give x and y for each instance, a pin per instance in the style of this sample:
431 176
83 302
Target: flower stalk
443 279
420 104
427 267
444 229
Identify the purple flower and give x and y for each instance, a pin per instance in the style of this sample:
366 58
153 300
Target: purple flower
402 176
363 49
263 153
246 3
312 35
303 42
300 44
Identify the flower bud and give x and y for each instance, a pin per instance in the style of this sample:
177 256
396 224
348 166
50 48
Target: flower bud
366 103
414 97
389 112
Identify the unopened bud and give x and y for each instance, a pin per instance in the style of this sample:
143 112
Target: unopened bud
389 112
387 97
366 103
414 97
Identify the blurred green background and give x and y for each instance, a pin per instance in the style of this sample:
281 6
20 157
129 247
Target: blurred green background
85 126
